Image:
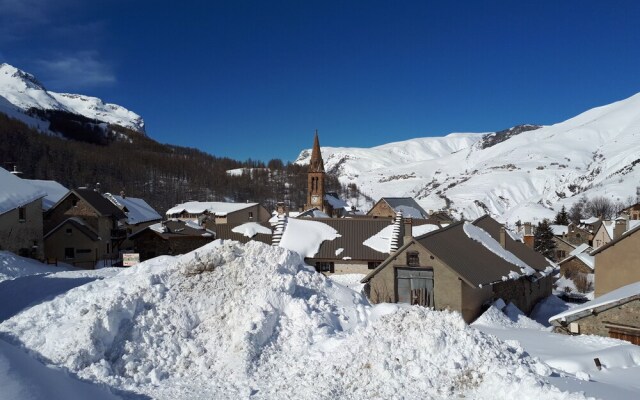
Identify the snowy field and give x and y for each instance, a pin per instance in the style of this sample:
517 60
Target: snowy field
252 321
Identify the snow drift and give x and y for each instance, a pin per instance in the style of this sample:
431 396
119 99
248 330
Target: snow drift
252 320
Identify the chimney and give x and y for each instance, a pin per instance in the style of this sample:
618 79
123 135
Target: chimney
621 226
395 234
527 228
97 189
122 194
503 237
408 231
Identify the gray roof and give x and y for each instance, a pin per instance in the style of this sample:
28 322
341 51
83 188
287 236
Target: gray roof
174 229
403 204
534 259
468 258
98 202
353 231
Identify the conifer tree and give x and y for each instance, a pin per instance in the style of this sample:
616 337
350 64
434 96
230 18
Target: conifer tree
543 240
562 217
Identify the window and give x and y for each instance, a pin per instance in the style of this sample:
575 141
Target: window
69 231
560 254
22 214
74 202
250 214
69 253
413 259
325 266
374 264
415 286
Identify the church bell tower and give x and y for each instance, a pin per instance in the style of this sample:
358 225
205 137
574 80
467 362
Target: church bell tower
315 178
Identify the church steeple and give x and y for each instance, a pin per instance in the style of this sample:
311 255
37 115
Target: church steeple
315 177
316 164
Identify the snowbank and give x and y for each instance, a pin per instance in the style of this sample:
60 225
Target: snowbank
305 237
231 320
13 266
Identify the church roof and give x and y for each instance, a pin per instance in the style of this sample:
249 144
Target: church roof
316 164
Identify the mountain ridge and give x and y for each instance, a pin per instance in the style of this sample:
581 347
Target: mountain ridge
526 176
21 93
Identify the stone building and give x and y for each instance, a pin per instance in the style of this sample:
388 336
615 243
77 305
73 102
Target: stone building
615 314
633 211
217 213
462 267
20 216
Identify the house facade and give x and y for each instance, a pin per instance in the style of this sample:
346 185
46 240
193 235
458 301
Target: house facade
448 269
218 213
633 212
98 218
618 262
20 216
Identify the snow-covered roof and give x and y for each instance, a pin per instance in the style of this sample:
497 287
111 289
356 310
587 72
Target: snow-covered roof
407 206
305 237
581 249
138 211
250 229
559 230
590 221
16 192
336 203
611 299
54 190
212 207
381 241
481 236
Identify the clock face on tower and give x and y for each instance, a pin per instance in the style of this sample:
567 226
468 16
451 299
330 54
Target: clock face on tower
315 199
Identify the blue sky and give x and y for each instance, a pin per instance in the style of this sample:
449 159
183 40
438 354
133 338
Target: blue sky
254 79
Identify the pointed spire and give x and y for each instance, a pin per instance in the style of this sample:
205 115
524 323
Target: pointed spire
316 164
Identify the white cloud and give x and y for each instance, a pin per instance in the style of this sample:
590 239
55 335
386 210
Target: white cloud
78 70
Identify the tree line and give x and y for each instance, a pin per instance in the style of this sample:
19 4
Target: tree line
163 175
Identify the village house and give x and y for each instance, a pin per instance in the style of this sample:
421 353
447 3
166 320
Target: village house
139 214
633 212
579 261
20 216
617 263
615 314
461 267
171 237
217 213
83 228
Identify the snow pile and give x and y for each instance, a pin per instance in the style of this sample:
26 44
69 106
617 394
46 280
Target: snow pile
253 321
13 266
22 377
479 235
305 237
250 229
352 281
381 241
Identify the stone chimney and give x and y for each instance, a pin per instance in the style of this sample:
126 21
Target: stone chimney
503 237
396 234
621 226
408 231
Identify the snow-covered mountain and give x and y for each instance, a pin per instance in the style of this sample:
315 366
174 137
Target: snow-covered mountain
21 92
523 173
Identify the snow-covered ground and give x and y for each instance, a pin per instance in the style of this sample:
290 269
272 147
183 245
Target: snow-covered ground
232 320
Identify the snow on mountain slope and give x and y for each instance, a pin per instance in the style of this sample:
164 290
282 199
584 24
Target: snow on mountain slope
24 91
526 176
252 321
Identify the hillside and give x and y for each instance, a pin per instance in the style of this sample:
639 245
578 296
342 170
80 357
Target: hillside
523 173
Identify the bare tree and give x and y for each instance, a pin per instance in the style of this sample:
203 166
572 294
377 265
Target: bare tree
600 207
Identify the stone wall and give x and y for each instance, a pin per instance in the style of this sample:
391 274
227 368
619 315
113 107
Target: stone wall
626 314
23 237
524 293
382 209
573 266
